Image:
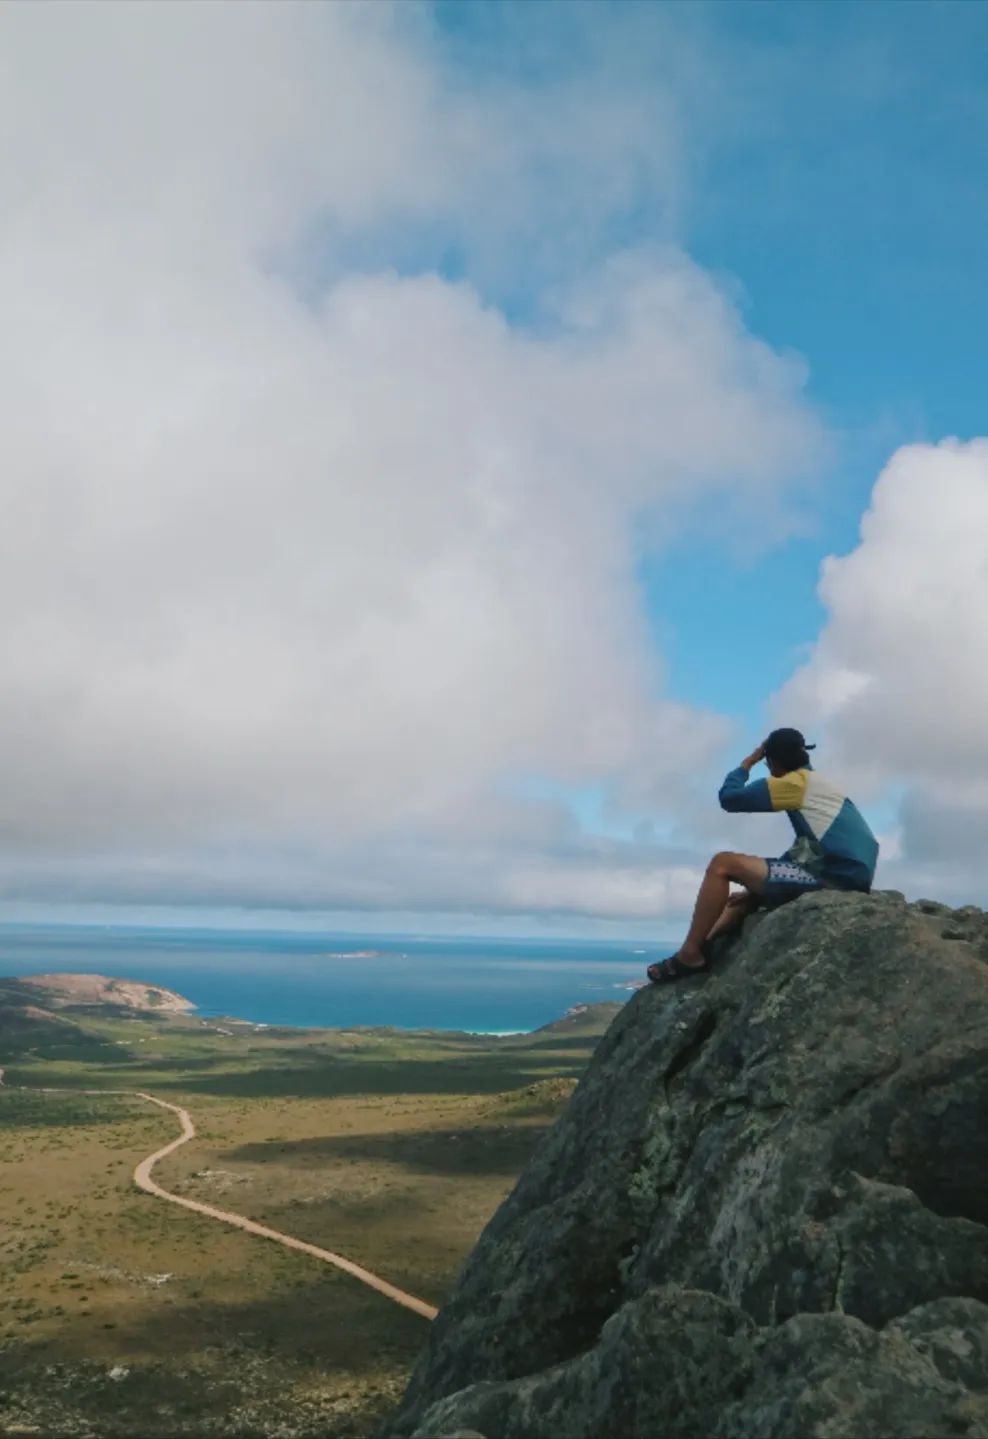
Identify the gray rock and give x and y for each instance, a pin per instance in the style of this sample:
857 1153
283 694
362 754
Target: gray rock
932 906
669 1352
953 1334
828 1376
763 1212
700 1369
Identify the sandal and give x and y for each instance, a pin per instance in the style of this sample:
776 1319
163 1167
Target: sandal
665 970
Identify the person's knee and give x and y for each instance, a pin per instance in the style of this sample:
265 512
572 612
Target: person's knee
723 864
739 868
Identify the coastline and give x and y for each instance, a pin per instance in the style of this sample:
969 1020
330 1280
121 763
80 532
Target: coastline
485 989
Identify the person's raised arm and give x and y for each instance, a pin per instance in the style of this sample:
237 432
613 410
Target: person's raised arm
737 794
761 795
756 757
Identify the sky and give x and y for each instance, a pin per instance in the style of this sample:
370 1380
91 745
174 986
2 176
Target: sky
440 440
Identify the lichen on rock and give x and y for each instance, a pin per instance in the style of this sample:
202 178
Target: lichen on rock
763 1213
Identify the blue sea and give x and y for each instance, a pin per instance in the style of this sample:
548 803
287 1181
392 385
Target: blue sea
336 981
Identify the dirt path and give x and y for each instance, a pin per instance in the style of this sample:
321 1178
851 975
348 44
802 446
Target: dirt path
143 1180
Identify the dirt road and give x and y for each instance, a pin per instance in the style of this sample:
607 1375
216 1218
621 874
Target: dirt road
143 1180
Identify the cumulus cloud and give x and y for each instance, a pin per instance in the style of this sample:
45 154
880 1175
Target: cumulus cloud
306 561
897 677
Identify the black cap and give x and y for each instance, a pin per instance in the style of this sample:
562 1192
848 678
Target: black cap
785 743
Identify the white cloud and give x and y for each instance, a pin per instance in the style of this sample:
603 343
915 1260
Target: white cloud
898 675
579 878
295 583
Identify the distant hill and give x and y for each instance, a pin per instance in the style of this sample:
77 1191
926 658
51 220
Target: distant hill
62 990
45 1014
581 1019
21 1014
29 1025
582 1022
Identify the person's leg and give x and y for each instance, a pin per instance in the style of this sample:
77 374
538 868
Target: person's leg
734 913
712 907
713 904
712 899
771 881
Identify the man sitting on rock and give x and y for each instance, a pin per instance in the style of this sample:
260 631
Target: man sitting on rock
834 849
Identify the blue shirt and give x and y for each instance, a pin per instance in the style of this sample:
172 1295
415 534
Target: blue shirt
846 848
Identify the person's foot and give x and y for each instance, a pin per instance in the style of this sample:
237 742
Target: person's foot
677 966
693 958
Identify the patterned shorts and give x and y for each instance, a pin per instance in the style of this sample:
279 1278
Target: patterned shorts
787 881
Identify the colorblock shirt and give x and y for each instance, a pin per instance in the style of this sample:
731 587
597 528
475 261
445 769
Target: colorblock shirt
846 848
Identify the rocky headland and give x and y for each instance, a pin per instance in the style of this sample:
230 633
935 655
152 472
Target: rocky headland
764 1213
88 989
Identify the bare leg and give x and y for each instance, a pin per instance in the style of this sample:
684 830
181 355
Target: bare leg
734 913
714 894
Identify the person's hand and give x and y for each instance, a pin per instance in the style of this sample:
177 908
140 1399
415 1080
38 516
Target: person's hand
756 756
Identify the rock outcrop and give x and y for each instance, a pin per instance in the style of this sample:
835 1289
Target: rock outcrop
764 1212
100 989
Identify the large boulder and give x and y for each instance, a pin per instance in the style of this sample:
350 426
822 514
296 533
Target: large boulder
763 1212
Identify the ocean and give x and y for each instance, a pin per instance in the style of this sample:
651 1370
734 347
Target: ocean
336 981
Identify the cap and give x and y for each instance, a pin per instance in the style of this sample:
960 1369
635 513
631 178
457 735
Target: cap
783 742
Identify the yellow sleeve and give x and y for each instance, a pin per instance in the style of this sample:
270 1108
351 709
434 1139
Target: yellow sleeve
789 791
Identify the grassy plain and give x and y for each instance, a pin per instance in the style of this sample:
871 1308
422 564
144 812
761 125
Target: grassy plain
123 1315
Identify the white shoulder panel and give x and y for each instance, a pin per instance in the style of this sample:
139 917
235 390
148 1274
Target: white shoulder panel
822 804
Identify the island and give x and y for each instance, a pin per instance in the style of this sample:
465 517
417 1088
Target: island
353 954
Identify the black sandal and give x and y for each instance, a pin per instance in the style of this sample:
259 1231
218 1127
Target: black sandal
665 970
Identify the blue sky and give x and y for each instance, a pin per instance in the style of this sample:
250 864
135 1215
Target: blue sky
856 226
456 404
839 188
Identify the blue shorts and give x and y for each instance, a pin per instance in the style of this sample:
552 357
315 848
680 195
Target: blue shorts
787 881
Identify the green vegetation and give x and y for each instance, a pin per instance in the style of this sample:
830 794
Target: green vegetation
122 1314
28 1109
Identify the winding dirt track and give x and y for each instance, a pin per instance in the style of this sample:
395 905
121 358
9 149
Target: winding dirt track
143 1180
